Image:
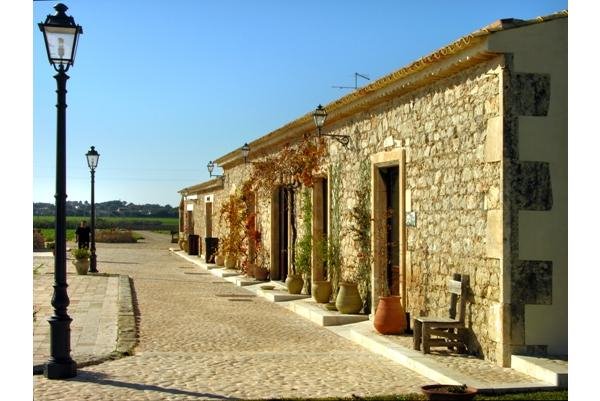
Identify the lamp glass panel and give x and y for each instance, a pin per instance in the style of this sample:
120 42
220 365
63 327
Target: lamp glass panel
319 118
93 161
61 43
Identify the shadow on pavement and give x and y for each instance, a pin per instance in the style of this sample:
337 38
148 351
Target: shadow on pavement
99 378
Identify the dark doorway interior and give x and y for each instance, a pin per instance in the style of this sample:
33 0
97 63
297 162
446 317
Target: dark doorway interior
325 193
390 177
284 195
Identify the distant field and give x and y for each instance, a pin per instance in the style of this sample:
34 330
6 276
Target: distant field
128 223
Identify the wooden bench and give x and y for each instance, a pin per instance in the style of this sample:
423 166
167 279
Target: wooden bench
174 237
445 331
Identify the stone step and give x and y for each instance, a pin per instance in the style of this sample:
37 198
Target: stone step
279 295
311 310
550 370
224 273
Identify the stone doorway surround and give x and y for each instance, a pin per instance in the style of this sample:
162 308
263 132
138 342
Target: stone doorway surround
390 158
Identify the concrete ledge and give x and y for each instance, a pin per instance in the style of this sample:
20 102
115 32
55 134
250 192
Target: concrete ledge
552 371
223 273
246 281
311 310
412 359
362 334
279 295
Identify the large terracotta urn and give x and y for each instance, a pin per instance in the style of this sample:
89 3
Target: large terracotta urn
348 300
261 273
321 291
389 316
219 260
294 283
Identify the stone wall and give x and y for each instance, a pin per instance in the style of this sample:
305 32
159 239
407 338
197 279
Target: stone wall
449 186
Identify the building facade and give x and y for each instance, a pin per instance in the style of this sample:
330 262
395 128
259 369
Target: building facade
459 161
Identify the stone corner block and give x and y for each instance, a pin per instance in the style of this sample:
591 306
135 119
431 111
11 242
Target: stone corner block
493 234
493 140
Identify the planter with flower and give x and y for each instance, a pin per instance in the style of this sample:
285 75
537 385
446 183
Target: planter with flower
448 392
81 260
261 265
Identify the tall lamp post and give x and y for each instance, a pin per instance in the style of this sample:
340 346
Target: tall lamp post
60 36
92 159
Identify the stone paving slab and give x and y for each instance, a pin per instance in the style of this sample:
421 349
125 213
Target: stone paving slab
97 305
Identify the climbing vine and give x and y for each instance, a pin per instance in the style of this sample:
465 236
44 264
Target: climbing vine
334 240
360 229
303 247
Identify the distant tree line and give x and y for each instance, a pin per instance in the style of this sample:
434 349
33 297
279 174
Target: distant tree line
114 208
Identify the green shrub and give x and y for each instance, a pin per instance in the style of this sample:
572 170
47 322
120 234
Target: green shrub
80 253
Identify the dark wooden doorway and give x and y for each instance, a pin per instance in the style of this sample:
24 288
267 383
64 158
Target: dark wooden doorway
284 195
390 177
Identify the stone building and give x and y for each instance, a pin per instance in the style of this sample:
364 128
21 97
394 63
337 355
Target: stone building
463 153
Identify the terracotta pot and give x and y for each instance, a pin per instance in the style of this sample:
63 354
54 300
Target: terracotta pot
389 316
348 300
294 283
82 266
219 260
260 273
230 262
441 392
321 291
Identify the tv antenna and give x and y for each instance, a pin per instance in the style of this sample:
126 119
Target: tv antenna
356 76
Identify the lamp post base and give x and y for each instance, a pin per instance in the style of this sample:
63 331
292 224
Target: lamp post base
93 265
60 369
60 365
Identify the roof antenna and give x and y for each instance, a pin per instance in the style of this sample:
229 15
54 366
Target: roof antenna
356 75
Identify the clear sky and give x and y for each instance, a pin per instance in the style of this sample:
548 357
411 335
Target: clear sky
162 87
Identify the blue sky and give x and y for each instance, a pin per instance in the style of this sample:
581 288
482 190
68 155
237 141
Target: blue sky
160 88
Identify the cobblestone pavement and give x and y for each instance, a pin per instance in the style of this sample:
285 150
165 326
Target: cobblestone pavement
203 338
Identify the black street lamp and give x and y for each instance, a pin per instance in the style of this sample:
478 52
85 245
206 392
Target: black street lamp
245 152
60 36
320 115
92 160
211 166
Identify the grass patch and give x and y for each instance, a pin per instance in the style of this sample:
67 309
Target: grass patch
48 234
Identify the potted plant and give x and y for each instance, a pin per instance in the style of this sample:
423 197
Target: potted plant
389 314
443 392
303 247
82 260
321 289
261 266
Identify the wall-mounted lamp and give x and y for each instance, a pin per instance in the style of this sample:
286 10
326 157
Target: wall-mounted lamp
211 166
245 151
320 115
